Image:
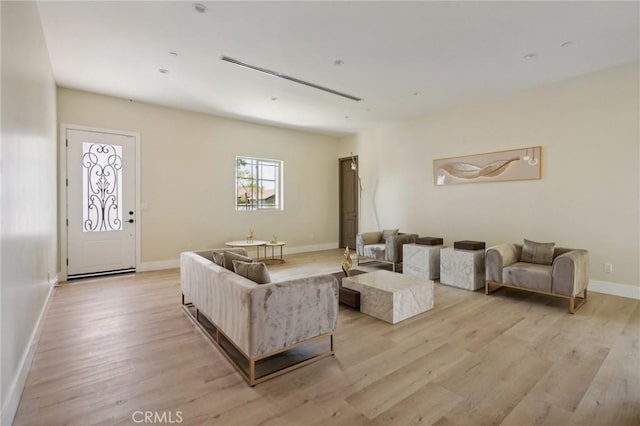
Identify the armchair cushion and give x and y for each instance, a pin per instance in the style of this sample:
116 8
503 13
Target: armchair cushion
540 253
528 275
375 251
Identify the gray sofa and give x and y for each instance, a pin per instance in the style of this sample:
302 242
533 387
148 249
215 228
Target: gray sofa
566 276
258 320
381 247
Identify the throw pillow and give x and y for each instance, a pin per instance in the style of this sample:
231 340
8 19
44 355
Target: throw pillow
540 253
218 258
389 233
230 256
255 271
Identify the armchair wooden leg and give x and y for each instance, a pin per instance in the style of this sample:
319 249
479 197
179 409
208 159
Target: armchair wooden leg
573 306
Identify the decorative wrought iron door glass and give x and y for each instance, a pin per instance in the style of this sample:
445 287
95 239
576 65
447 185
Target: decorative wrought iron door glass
101 187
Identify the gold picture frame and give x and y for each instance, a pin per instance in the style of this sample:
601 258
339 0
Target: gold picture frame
513 164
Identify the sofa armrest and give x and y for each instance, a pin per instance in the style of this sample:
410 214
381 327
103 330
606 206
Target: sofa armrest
496 258
393 246
364 238
289 312
570 273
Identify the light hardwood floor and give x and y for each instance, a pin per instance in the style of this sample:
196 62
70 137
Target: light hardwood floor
113 346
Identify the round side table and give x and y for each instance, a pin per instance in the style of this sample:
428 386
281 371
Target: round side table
245 244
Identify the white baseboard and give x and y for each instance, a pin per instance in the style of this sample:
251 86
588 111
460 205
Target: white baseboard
615 289
307 249
158 265
175 263
15 389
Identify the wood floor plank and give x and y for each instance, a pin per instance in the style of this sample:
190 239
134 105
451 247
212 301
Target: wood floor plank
114 346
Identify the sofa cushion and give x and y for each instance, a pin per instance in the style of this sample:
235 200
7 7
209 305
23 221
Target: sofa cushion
218 258
528 275
389 233
375 251
533 252
255 271
230 256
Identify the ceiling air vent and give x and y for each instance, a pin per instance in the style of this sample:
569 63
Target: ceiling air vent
287 77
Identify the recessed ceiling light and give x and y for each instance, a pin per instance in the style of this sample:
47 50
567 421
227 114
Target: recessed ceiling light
163 71
338 62
566 44
200 8
173 54
530 56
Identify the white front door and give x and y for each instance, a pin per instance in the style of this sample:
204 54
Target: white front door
101 231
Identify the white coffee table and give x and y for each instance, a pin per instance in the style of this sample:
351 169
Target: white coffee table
391 297
248 244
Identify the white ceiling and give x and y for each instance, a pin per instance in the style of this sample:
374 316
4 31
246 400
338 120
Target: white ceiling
405 59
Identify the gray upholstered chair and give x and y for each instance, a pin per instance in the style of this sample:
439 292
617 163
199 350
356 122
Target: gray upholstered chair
385 246
562 272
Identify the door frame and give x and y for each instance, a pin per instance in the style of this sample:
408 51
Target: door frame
62 188
357 194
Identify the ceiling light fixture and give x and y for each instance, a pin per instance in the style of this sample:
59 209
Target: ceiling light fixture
163 71
530 56
200 8
287 77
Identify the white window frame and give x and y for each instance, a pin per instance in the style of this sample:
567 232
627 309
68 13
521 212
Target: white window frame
257 165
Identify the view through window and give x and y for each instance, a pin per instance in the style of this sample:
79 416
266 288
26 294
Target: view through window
258 184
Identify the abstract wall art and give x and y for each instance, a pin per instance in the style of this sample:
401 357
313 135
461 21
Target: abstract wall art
514 164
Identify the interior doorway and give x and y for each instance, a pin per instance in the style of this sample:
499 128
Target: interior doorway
348 201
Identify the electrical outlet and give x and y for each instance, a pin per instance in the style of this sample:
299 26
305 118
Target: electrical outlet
608 268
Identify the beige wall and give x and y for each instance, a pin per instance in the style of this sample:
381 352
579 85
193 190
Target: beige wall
28 189
187 175
588 197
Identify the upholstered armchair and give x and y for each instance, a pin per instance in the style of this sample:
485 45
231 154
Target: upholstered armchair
385 246
539 268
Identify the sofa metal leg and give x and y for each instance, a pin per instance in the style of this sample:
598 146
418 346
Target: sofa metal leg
573 306
252 372
488 289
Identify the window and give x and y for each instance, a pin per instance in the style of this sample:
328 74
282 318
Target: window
258 184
